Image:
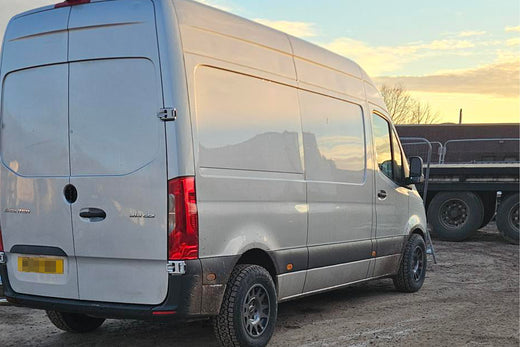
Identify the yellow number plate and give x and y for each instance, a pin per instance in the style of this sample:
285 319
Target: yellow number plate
40 265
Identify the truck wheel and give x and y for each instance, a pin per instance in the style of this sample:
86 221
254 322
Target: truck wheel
249 308
74 322
455 216
507 218
412 270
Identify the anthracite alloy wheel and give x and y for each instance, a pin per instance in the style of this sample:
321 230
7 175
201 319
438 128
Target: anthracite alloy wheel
248 313
256 309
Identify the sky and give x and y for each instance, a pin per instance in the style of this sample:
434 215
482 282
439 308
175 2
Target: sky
451 54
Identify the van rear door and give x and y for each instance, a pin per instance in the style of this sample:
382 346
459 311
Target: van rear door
118 167
117 153
35 215
81 94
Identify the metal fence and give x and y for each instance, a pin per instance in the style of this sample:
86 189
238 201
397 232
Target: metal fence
490 150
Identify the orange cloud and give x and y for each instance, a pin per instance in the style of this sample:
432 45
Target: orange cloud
377 60
500 79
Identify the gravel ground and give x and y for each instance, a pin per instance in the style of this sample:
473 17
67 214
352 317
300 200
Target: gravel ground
471 297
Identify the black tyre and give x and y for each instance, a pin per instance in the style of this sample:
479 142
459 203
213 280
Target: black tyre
507 218
455 216
248 313
74 322
412 270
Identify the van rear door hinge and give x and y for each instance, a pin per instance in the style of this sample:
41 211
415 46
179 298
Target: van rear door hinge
167 114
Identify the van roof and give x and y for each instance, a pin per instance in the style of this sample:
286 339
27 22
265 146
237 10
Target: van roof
201 16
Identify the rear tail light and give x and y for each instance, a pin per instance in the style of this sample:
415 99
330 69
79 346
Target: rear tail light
183 220
71 3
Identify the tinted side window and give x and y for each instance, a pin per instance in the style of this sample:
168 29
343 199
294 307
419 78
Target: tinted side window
381 130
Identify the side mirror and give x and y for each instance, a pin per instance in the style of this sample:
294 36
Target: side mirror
416 171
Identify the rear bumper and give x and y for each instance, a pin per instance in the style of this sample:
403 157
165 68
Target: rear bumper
183 300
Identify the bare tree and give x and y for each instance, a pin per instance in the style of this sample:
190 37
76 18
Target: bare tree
404 109
422 113
398 102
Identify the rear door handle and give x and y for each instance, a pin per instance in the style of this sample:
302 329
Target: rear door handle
92 213
381 195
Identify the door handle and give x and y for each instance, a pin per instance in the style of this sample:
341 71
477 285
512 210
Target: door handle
381 195
94 214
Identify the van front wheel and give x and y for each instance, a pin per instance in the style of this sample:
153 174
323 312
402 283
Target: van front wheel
248 313
74 322
412 270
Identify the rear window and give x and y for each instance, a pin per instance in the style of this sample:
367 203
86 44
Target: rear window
34 135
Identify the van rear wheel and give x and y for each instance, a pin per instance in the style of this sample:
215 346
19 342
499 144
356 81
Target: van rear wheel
248 313
74 322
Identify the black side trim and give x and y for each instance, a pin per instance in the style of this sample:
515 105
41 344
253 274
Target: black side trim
299 257
390 245
339 253
184 297
38 250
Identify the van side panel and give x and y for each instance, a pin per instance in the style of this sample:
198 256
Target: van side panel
339 191
232 171
250 181
248 135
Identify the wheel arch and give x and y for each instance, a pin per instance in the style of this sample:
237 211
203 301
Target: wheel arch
417 223
260 257
419 231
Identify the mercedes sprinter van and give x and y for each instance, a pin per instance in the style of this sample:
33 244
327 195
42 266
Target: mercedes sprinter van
164 159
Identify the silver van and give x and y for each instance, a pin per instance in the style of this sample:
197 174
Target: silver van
164 159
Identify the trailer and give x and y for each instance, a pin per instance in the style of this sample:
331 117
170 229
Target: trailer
472 179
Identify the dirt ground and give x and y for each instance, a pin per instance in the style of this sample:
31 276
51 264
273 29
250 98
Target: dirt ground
471 297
